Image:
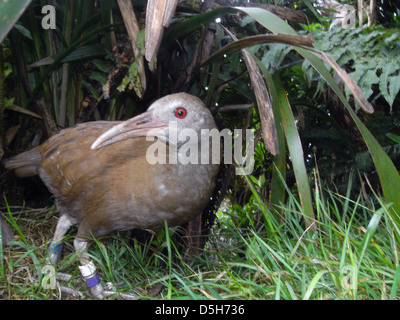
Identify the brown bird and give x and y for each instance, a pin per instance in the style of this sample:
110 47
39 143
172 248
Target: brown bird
104 176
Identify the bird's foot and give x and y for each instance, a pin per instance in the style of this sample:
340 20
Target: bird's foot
65 277
100 292
110 290
71 292
97 291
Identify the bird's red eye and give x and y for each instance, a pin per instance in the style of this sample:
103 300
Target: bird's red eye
180 113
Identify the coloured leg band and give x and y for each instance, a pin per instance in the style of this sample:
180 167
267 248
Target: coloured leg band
93 280
88 271
55 248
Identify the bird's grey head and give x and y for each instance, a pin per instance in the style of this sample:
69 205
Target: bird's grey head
179 110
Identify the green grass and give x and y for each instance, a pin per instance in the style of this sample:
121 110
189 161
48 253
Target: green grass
353 254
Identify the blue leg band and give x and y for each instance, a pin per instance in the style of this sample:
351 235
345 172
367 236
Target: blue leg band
93 280
55 248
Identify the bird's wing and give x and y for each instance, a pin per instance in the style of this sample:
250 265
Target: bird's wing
68 161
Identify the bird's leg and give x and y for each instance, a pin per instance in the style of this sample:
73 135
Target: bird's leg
63 225
55 248
89 273
87 269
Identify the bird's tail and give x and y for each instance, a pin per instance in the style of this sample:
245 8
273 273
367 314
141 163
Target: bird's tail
25 164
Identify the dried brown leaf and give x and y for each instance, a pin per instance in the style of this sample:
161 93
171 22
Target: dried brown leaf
354 88
263 101
158 16
264 104
16 108
10 134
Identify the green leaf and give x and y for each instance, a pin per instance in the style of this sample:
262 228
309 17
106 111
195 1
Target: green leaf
102 66
85 52
389 83
275 55
296 153
260 39
373 54
8 102
394 87
268 20
394 137
24 31
98 77
10 11
91 89
194 23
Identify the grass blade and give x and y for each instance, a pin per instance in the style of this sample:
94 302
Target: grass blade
395 283
313 284
373 224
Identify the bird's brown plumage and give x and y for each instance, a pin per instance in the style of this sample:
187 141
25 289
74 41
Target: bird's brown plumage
114 187
102 180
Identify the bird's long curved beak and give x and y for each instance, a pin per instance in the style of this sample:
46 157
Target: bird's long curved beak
142 125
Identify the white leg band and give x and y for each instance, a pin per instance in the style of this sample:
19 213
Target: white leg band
88 269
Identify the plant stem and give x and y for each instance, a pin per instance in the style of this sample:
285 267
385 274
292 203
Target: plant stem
2 104
35 32
65 69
